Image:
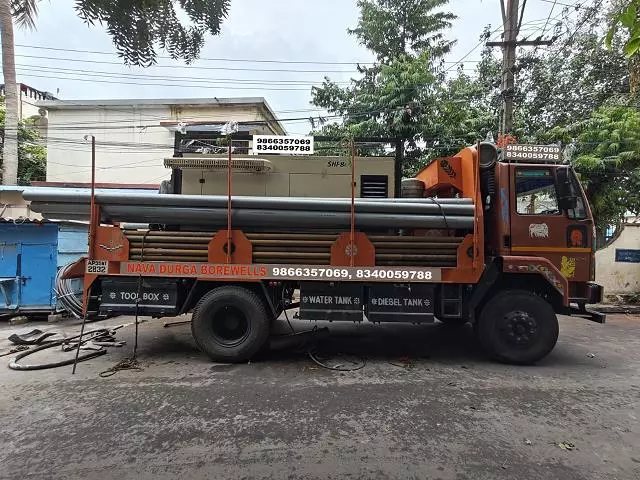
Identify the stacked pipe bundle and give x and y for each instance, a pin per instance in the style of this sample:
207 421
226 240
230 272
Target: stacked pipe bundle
294 248
258 213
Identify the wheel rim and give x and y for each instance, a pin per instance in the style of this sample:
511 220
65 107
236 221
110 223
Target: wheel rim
519 329
230 326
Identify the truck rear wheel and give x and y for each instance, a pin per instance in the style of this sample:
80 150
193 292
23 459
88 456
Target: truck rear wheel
230 324
518 327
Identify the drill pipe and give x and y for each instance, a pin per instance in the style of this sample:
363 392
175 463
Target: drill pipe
279 218
154 199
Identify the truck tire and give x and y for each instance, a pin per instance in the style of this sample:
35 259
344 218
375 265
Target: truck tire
517 327
230 324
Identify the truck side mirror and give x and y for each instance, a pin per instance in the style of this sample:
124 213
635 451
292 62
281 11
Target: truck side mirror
567 199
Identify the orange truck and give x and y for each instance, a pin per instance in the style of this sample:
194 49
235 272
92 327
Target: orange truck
503 239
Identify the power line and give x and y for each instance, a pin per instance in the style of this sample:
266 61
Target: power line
100 73
76 79
190 66
482 42
580 25
549 17
296 120
189 78
574 5
239 60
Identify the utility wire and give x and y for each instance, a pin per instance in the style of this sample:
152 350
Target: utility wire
579 26
76 79
549 17
296 120
295 62
165 77
572 5
181 67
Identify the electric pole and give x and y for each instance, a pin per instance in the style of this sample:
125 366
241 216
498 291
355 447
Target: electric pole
512 20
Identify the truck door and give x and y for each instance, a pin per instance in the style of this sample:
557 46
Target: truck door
540 229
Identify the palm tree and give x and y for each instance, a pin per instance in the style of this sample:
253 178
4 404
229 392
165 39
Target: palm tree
24 12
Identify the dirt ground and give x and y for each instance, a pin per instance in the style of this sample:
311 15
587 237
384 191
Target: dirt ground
444 412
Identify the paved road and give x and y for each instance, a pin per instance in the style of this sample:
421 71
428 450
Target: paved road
449 415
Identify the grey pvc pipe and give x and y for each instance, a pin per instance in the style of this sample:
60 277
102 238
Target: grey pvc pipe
267 203
67 209
277 218
252 217
62 196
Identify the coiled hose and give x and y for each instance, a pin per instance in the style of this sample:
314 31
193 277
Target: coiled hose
70 299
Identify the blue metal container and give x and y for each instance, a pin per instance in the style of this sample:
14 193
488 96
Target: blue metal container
72 242
28 265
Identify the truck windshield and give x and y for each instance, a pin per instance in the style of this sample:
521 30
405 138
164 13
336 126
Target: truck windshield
536 192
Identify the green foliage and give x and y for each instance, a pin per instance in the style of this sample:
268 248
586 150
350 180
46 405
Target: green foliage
394 101
396 96
566 82
25 12
32 156
607 155
466 107
391 28
137 27
629 19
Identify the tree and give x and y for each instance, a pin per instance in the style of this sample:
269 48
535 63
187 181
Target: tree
394 96
137 27
466 106
10 141
563 84
391 28
32 155
627 17
607 155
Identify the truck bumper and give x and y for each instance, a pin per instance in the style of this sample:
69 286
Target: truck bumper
594 294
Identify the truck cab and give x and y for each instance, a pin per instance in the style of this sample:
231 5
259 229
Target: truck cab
538 211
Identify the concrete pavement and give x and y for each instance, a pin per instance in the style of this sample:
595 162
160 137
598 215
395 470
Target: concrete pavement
450 414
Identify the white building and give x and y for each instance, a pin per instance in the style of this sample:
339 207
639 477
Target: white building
134 136
618 264
29 99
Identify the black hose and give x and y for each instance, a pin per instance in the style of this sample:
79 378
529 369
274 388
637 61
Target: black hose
14 365
70 300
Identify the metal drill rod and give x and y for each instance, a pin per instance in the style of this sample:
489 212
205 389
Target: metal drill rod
270 218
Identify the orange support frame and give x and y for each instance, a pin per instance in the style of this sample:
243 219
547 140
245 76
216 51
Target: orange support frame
469 268
110 244
353 249
458 174
241 250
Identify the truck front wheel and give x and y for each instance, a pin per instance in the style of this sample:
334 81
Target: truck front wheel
518 327
230 324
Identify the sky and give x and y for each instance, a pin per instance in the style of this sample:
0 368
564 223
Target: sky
280 30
